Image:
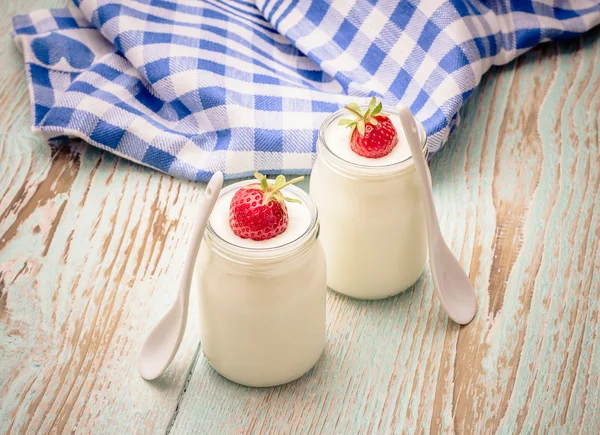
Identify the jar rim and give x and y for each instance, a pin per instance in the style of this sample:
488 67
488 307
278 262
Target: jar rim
367 170
245 253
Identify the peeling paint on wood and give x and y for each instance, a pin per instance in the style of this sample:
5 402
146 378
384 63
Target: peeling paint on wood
90 246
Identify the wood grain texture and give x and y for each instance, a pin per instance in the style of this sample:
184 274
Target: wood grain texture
90 246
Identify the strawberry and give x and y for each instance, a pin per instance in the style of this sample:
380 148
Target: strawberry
258 211
373 134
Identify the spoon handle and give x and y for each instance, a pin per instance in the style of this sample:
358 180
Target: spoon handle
162 343
449 278
412 136
211 193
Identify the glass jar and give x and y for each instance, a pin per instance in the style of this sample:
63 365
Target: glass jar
262 310
372 218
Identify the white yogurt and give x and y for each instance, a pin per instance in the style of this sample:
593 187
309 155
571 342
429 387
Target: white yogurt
371 212
262 303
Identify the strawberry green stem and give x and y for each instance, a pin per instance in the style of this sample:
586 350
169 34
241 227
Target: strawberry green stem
272 191
295 180
362 119
350 109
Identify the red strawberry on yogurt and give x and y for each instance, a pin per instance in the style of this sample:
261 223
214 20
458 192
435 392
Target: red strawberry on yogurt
373 134
258 211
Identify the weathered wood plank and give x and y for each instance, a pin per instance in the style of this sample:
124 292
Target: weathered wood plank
88 264
90 246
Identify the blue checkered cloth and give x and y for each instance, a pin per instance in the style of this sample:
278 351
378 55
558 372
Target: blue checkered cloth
190 87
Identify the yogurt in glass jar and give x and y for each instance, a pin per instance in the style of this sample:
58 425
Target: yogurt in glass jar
371 212
262 303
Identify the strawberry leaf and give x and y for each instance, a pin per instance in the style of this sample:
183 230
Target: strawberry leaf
346 121
292 200
279 181
377 109
372 105
361 127
351 125
353 107
263 180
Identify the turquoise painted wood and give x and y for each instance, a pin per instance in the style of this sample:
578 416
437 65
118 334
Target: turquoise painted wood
90 246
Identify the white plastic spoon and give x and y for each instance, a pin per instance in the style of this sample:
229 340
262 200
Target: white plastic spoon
164 340
449 279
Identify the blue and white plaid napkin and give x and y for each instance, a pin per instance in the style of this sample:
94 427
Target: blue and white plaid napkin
190 87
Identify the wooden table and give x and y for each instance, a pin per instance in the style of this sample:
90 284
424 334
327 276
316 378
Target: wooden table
91 246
